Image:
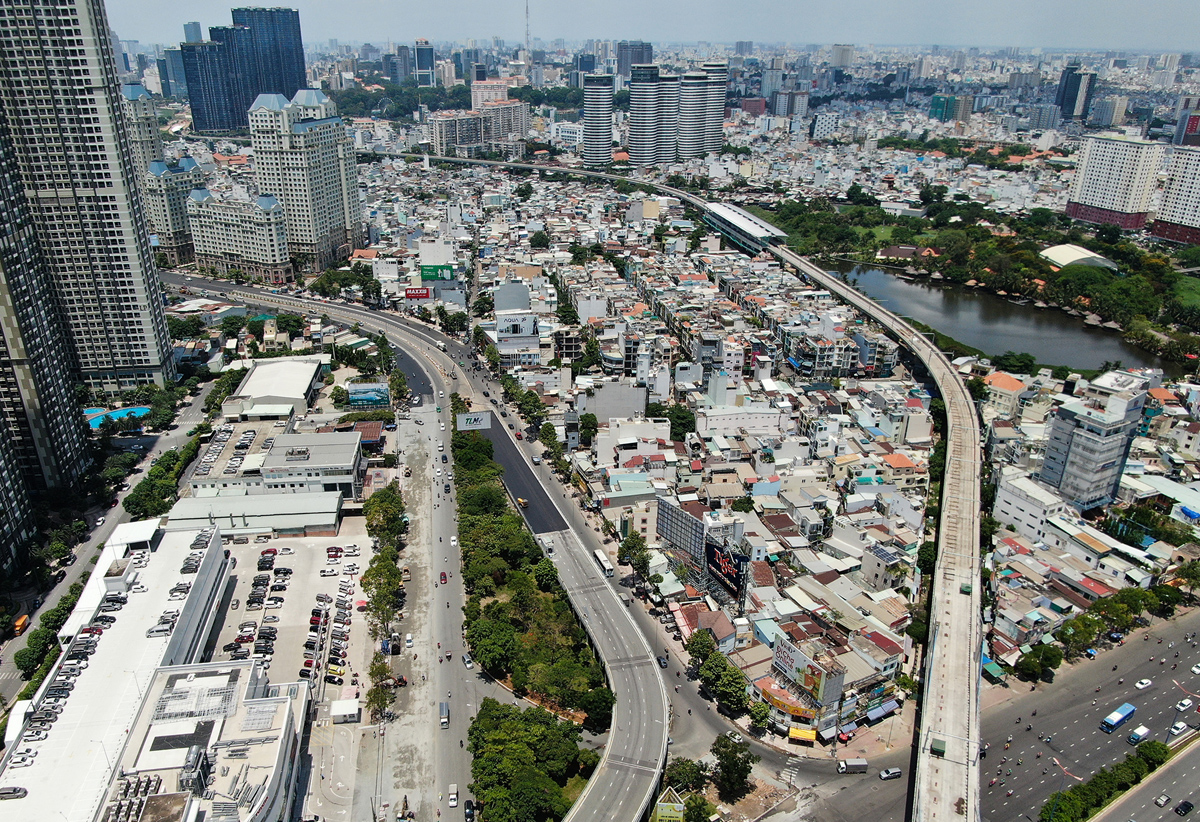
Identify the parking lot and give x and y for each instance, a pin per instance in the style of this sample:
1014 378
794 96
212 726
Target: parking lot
312 574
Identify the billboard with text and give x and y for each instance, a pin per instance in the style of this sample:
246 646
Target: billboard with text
472 421
417 293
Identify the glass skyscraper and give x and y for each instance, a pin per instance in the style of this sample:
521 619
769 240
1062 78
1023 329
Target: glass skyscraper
261 53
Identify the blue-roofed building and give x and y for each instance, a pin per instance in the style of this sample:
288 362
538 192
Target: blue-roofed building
236 235
165 190
304 156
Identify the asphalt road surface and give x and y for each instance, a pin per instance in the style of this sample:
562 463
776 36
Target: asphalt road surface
1066 713
627 778
541 514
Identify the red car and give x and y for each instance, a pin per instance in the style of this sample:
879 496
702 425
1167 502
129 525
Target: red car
443 577
268 552
316 620
92 631
520 436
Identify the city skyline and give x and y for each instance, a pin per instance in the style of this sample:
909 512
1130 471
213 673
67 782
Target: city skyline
1153 25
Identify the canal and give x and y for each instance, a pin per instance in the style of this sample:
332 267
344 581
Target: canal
994 325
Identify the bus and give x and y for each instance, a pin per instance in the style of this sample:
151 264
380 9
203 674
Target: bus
1117 718
602 560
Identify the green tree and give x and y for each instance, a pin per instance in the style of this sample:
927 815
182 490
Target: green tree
494 644
700 646
339 396
683 420
1154 753
730 690
546 574
588 426
733 766
927 557
524 190
484 304
230 326
547 436
760 713
743 504
978 389
539 240
685 775
697 809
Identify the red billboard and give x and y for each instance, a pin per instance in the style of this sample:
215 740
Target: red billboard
416 293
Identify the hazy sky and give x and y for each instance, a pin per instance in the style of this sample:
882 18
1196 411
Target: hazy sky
1163 25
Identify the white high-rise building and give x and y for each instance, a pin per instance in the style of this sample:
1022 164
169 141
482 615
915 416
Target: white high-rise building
304 156
1178 217
75 161
842 55
165 190
714 121
488 91
597 119
144 136
1115 181
693 114
653 116
250 237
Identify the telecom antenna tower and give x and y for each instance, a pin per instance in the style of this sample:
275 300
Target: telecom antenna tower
528 42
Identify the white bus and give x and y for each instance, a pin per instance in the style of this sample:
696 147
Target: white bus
602 560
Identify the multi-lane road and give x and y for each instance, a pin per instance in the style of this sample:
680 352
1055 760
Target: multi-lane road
946 783
946 779
637 743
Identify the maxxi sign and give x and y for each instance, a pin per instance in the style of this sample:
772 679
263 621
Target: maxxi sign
474 422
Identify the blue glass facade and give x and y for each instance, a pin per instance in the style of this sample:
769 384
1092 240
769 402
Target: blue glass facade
261 53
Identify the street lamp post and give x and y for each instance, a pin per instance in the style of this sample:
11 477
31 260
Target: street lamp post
1059 792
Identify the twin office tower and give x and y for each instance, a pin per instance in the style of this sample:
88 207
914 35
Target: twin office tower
671 116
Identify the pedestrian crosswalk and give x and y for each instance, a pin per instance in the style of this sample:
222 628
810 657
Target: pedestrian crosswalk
790 770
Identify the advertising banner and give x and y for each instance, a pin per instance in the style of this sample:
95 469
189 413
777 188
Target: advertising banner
417 293
474 422
726 567
437 272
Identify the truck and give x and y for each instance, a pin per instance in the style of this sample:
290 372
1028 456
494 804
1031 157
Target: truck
453 795
852 766
441 346
21 624
405 574
1140 734
444 713
624 599
1117 718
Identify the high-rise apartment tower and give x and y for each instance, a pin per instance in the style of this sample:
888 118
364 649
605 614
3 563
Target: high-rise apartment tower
304 157
73 155
597 119
1115 181
1076 88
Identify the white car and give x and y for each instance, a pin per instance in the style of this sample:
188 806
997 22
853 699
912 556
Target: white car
1143 684
100 520
285 551
329 572
273 605
1196 668
1178 728
1183 705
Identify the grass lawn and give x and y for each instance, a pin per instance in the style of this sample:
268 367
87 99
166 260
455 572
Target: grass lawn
1187 290
574 788
881 232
